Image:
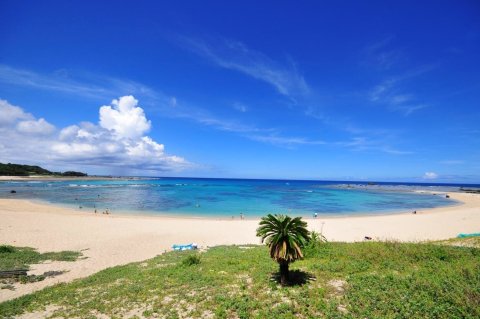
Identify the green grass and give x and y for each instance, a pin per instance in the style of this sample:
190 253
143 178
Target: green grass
336 280
462 242
22 257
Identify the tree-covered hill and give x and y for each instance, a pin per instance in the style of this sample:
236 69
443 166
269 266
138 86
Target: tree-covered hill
27 170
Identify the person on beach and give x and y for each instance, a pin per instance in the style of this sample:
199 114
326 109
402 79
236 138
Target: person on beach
241 215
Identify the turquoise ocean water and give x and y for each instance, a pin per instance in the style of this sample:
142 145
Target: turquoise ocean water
227 197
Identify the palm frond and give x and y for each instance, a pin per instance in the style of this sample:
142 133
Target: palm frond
284 235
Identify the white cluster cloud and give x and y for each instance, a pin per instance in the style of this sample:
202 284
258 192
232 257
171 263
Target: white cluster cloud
11 113
118 140
39 126
430 175
125 118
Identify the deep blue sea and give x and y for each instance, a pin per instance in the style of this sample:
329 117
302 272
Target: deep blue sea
230 197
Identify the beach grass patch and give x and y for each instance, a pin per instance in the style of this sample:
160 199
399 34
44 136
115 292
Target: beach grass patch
356 280
191 260
6 249
22 257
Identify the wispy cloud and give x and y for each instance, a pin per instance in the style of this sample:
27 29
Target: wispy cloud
390 92
382 54
235 55
363 139
240 107
405 103
393 151
378 140
285 141
225 124
271 136
362 143
85 85
409 109
182 109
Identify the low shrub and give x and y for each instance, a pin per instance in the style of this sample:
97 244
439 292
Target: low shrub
191 260
6 249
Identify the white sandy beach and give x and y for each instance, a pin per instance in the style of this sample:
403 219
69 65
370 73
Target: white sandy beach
110 240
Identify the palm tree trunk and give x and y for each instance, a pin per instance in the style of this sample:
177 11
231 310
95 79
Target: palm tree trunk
284 273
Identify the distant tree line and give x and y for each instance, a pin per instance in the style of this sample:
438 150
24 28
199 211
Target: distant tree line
73 173
27 170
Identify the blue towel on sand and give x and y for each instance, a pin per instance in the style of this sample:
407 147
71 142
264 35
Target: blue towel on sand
184 247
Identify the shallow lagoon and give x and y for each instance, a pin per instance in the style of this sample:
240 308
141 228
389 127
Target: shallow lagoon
228 197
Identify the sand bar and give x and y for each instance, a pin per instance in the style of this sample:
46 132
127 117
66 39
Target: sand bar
110 240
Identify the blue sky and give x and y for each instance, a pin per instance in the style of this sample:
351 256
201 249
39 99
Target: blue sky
355 90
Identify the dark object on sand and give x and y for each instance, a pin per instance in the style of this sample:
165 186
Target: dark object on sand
414 212
447 196
13 191
14 273
472 191
368 238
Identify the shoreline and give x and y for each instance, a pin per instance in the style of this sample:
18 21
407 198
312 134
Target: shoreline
187 216
190 215
111 240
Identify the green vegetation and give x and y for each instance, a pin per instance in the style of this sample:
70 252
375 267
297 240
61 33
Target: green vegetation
191 260
22 257
22 170
27 170
335 280
285 236
313 244
16 258
461 242
73 173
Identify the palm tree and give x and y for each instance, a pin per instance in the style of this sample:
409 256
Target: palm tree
284 236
